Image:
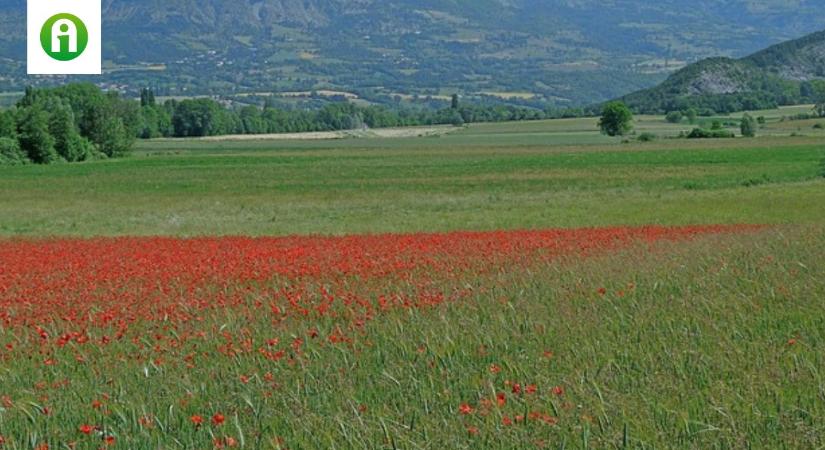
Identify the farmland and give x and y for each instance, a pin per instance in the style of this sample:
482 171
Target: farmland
526 285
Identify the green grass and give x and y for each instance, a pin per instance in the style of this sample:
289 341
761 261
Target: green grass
471 180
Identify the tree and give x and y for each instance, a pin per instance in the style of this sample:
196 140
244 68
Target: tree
67 140
10 152
674 117
819 109
155 121
617 120
8 128
691 115
113 138
457 120
199 117
33 135
147 97
748 126
454 103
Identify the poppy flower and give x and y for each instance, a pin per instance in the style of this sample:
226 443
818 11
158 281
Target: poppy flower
86 429
218 419
196 420
465 409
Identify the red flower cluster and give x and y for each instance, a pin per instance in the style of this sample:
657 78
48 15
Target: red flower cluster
67 293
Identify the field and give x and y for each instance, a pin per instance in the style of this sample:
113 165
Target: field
528 285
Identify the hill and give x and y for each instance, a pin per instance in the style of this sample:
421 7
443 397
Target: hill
783 74
520 51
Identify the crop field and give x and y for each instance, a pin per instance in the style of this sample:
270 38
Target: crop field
528 285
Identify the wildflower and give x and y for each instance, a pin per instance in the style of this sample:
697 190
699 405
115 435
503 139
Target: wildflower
86 429
501 399
558 391
494 369
218 419
196 420
465 409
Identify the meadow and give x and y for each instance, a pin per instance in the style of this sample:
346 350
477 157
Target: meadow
485 177
528 285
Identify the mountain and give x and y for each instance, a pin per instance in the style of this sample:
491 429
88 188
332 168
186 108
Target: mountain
779 75
567 52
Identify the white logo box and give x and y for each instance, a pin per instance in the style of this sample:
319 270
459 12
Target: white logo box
40 63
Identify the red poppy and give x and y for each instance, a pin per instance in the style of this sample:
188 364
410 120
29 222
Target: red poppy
196 420
465 409
501 399
558 390
218 419
86 429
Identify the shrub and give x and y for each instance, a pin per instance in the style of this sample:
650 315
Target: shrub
674 117
701 133
646 137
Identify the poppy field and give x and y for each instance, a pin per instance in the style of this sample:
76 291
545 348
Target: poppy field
484 289
598 337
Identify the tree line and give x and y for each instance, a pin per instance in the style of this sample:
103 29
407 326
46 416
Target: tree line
209 117
76 122
80 122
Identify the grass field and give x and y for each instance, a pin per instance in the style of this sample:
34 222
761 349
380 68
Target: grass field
498 176
543 287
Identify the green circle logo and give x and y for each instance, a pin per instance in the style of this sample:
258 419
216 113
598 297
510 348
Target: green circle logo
64 37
